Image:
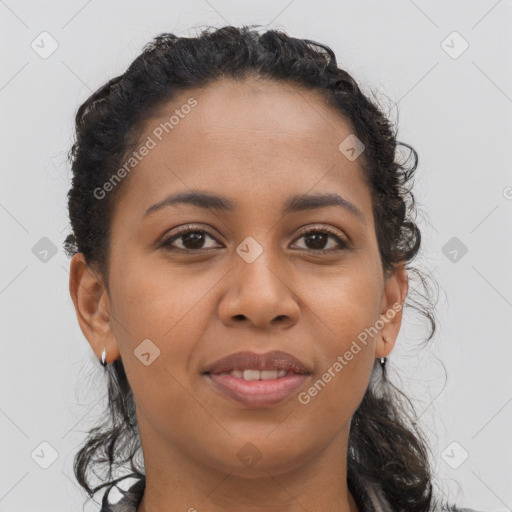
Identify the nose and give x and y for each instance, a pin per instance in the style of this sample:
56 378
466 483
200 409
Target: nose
259 295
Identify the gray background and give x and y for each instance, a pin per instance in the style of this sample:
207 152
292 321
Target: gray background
455 109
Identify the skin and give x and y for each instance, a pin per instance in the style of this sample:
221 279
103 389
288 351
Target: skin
256 142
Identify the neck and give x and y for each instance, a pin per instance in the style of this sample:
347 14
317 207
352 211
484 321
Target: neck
177 481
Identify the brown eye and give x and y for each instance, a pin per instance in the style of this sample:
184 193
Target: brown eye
191 239
316 239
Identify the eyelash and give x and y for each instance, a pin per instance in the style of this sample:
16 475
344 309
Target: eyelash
166 244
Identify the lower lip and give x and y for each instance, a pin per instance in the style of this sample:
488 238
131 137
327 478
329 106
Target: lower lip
258 393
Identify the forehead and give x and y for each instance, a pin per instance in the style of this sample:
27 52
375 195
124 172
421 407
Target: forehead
252 111
254 138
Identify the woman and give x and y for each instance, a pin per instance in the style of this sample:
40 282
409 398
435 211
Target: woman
242 227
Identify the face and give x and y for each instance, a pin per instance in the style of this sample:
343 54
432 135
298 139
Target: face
249 276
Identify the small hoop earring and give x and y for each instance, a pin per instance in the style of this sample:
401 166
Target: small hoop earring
104 357
383 359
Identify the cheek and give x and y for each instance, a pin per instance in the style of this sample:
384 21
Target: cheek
346 356
162 312
344 304
153 301
158 318
344 313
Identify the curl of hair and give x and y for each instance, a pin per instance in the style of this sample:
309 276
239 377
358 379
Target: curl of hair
385 442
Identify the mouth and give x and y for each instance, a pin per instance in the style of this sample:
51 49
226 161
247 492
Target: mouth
258 380
252 374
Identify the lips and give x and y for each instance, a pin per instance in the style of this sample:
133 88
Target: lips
275 360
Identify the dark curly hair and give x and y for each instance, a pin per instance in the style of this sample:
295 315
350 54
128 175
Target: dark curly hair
386 443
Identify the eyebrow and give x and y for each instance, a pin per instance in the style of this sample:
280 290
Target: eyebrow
296 203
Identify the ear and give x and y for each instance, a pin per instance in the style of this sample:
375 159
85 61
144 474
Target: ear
92 306
395 291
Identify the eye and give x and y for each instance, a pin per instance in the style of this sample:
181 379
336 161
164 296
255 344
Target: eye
191 238
317 238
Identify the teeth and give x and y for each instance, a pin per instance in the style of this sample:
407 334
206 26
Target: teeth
257 374
252 374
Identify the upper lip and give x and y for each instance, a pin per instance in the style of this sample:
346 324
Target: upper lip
274 360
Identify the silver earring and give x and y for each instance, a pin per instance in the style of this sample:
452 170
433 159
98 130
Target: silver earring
104 357
383 359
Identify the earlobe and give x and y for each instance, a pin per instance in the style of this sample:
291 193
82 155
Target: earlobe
92 307
395 293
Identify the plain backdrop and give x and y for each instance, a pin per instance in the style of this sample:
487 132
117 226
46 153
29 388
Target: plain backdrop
445 65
